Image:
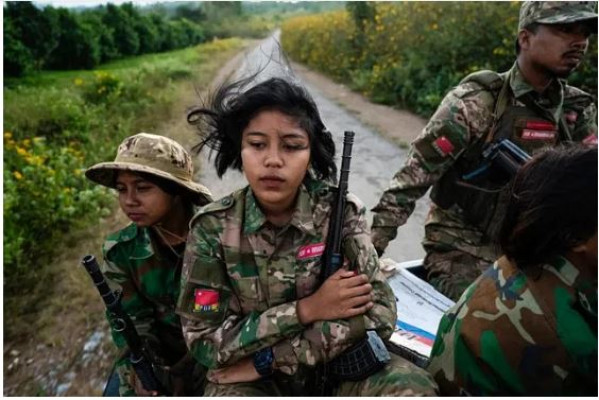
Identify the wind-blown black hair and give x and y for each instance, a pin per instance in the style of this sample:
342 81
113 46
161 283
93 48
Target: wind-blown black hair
553 206
221 122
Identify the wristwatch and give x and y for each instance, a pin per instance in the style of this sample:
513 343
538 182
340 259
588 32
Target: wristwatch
263 361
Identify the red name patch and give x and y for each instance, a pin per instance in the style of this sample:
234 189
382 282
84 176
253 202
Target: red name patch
541 125
529 134
311 250
443 146
205 300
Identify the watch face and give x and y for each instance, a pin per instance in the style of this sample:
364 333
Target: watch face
263 361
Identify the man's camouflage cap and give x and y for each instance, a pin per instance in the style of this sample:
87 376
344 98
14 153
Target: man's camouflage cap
151 154
556 12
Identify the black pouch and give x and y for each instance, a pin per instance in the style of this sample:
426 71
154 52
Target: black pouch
361 360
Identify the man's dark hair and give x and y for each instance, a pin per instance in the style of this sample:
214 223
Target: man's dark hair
221 123
534 27
553 205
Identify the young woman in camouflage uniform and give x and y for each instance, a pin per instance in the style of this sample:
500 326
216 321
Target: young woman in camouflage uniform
153 178
528 325
252 306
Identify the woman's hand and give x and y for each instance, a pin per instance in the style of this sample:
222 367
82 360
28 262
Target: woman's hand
242 371
343 295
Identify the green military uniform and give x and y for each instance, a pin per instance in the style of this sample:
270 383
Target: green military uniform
242 278
521 333
461 227
148 273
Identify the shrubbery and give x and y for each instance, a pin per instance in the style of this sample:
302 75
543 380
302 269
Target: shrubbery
410 53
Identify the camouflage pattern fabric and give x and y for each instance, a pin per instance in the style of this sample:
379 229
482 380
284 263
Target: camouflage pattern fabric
148 274
463 119
151 154
556 12
242 278
398 378
515 333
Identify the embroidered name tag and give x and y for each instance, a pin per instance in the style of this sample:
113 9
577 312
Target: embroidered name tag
205 300
529 134
311 250
541 125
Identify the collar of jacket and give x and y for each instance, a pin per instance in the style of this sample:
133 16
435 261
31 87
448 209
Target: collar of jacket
302 217
584 285
554 92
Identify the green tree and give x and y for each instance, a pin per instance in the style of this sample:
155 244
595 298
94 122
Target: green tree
78 46
126 38
34 28
18 60
103 33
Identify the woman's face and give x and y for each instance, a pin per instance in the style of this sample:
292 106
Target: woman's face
142 201
275 153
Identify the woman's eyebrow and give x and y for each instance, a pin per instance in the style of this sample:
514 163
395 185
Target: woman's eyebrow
255 134
293 135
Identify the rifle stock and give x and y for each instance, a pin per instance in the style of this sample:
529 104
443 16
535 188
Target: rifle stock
122 323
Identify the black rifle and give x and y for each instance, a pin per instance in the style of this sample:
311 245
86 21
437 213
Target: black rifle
504 156
369 355
121 322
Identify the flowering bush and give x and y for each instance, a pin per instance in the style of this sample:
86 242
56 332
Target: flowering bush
45 194
411 53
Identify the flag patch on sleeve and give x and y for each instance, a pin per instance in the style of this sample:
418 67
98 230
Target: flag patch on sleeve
206 300
443 146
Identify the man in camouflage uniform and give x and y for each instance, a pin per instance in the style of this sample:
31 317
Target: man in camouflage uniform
530 104
145 269
243 277
528 325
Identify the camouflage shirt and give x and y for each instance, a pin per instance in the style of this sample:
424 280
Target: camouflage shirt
148 274
242 278
517 333
463 119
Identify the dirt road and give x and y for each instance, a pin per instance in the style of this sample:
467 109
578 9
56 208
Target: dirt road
376 153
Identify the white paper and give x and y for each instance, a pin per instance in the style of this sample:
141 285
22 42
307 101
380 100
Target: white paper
419 310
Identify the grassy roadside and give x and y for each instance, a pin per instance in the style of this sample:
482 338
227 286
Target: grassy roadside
47 325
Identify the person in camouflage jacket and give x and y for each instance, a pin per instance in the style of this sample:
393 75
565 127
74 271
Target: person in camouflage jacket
530 104
253 308
528 325
153 177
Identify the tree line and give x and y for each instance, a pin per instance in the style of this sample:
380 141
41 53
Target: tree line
58 38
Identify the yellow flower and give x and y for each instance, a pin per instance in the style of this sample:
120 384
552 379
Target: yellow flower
18 176
78 82
7 135
26 143
21 151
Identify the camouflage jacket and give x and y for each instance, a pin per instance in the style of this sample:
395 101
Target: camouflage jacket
462 121
242 278
516 333
148 274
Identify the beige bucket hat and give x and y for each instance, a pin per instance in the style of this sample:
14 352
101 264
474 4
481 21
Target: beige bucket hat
152 154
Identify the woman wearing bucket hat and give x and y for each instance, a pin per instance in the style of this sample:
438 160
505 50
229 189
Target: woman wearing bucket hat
153 178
